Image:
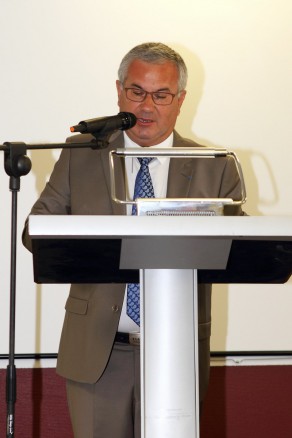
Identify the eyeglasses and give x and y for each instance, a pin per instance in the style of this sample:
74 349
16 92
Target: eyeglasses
158 97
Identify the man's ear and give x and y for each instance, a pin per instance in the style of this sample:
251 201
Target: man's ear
119 88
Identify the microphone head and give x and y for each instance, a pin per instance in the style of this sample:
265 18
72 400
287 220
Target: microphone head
122 121
128 120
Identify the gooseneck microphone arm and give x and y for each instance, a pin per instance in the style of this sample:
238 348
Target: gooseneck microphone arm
17 164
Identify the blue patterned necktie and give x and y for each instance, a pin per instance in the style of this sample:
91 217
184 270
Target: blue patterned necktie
143 189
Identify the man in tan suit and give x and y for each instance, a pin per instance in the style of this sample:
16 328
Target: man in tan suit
95 356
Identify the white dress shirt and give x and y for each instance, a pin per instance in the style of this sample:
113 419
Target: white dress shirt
159 174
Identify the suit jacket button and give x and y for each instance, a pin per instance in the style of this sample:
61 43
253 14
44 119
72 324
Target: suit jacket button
115 308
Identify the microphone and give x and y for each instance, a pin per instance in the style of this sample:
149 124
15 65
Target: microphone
105 125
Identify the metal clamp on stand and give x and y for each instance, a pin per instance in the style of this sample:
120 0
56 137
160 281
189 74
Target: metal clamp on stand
173 206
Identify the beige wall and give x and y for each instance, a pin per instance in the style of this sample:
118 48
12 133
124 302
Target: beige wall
58 64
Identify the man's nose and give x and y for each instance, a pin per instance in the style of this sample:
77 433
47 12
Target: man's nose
148 102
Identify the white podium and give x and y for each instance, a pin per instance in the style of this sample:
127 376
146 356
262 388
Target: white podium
169 255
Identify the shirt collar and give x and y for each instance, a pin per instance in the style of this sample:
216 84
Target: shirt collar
167 143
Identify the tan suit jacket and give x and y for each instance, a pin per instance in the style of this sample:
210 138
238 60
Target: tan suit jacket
80 184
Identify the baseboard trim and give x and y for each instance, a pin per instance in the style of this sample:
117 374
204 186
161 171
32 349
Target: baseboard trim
218 358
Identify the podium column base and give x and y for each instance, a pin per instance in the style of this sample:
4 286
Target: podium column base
169 353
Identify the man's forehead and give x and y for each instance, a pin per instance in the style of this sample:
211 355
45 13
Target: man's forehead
145 71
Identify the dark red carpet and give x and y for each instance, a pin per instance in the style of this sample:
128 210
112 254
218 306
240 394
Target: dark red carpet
242 402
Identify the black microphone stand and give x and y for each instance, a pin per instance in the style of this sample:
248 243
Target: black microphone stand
17 164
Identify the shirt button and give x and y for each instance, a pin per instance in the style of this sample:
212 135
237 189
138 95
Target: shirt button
115 308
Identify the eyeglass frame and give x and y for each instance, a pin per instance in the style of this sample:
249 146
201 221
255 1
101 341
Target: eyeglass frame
151 94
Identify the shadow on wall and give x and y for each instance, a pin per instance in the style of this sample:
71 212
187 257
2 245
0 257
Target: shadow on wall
42 165
253 164
195 88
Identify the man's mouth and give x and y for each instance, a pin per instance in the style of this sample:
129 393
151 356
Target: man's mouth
143 121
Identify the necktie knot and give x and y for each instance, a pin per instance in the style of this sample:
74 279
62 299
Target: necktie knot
144 161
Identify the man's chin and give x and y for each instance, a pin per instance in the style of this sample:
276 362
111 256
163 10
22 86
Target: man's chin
143 139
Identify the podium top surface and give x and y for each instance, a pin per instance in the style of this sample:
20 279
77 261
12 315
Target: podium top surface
237 227
107 249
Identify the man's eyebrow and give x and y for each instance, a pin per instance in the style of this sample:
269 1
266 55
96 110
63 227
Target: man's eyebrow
156 91
136 86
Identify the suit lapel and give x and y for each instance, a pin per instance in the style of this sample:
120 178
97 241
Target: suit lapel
179 178
180 172
117 141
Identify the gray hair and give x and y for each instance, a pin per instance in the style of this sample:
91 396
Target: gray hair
154 53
